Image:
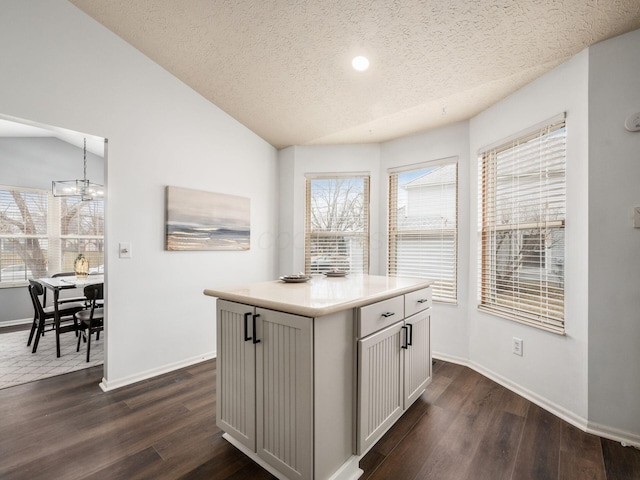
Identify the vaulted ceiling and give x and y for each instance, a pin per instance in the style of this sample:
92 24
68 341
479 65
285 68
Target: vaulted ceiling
283 67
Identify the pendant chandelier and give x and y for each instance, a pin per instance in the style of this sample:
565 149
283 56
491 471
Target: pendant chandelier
78 188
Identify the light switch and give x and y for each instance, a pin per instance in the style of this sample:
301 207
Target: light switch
633 122
636 217
125 250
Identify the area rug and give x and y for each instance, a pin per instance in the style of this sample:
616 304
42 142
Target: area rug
18 365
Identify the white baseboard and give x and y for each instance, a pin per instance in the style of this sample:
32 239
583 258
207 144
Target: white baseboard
451 359
20 321
253 456
626 438
108 385
348 471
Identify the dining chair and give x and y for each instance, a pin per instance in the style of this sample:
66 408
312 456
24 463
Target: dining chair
91 319
44 317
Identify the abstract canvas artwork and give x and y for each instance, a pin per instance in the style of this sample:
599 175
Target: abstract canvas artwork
199 220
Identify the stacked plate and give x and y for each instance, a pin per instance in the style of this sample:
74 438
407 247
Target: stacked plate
336 273
297 278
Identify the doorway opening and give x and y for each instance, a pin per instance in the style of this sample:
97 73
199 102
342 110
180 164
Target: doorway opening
41 236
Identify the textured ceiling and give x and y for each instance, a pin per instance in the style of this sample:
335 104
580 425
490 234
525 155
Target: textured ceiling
282 67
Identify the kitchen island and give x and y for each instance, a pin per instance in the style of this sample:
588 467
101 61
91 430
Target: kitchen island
310 375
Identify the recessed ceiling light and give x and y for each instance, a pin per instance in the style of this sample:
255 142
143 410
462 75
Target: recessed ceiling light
360 63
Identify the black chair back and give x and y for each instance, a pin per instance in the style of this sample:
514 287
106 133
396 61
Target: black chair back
94 292
35 291
91 320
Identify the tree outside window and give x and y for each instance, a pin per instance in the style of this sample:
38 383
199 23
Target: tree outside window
41 235
337 224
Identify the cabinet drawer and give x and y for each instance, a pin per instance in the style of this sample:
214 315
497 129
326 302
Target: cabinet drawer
417 301
372 318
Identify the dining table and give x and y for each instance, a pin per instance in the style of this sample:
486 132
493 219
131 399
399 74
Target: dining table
57 284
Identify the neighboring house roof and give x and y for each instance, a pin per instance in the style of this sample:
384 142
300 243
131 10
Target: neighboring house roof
438 176
420 222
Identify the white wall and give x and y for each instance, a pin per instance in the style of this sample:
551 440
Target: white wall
34 162
291 208
297 161
450 331
553 369
614 245
59 67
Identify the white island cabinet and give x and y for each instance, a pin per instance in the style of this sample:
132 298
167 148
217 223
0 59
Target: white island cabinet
311 375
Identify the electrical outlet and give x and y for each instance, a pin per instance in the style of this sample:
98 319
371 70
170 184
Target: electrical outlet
517 346
636 217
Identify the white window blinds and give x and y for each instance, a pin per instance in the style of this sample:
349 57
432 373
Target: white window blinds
23 234
337 224
41 235
82 231
423 224
522 218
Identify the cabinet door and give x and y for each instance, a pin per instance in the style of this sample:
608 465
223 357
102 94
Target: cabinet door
417 357
284 393
235 373
379 384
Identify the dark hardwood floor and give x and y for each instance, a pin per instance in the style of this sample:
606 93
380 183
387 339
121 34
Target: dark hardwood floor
464 427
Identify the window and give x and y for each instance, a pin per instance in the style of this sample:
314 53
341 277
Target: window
41 235
522 219
82 231
337 224
23 234
423 224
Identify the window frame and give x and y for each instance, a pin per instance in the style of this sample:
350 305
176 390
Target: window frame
394 232
364 234
54 247
540 305
79 238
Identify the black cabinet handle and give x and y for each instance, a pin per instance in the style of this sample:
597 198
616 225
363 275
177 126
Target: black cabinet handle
423 300
410 334
246 336
255 335
406 337
388 314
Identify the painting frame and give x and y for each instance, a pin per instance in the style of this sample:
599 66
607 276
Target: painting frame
199 220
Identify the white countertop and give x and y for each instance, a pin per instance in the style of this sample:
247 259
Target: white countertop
320 295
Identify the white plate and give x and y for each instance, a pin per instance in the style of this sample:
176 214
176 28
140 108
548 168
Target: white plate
336 274
295 279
